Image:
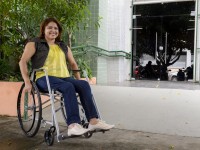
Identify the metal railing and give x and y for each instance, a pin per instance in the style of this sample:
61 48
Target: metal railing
80 50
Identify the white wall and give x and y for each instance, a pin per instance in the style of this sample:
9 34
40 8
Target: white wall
103 30
102 70
115 34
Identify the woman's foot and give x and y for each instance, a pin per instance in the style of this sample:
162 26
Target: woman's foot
76 129
99 125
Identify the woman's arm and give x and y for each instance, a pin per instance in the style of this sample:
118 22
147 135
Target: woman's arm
72 63
27 54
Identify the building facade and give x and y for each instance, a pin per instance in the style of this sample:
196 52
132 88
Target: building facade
115 34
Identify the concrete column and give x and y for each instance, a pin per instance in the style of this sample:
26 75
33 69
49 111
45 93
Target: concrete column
197 43
198 36
114 35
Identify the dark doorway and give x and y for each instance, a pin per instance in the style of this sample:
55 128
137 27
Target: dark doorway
162 33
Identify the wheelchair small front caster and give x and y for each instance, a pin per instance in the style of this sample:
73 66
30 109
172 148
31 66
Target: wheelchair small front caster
49 136
87 134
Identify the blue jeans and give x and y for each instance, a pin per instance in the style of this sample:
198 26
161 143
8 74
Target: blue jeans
69 87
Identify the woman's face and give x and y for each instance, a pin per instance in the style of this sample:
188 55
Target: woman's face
51 31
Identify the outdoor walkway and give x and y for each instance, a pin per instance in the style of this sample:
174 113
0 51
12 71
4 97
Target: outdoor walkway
12 138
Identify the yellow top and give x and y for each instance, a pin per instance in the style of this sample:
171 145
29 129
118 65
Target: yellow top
55 64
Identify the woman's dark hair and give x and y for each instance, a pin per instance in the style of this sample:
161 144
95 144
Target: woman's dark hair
45 23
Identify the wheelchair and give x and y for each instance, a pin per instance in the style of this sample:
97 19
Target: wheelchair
30 106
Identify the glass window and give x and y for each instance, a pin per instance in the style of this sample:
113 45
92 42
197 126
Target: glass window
163 34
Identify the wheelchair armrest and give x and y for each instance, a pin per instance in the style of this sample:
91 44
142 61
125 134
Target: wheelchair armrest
35 70
33 73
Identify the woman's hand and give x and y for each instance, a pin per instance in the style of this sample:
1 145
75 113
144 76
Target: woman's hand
28 87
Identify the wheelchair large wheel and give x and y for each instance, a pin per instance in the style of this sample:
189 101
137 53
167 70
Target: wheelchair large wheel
29 110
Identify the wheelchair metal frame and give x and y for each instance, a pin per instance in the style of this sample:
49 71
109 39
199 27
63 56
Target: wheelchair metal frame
52 98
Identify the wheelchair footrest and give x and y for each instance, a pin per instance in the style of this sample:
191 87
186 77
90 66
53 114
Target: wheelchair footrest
99 130
86 135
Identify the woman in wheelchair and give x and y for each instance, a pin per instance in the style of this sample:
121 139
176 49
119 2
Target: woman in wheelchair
50 53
